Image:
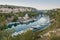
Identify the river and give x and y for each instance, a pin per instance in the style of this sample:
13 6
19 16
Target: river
42 23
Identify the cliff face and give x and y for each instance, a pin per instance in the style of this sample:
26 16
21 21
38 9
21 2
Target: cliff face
15 9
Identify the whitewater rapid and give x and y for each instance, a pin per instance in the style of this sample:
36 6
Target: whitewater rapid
40 24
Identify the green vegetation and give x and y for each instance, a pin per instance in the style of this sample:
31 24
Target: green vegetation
25 36
4 17
7 35
55 24
29 35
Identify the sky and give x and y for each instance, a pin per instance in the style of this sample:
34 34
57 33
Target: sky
38 4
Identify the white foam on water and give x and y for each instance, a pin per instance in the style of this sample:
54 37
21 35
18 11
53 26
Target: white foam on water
23 27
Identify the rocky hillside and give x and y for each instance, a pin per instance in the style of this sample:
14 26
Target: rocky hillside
15 9
53 31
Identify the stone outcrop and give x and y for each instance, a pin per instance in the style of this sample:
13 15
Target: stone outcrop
15 9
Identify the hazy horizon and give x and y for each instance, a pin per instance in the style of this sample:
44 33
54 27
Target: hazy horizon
38 4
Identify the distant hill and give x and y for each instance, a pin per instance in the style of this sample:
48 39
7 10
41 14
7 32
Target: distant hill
15 9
